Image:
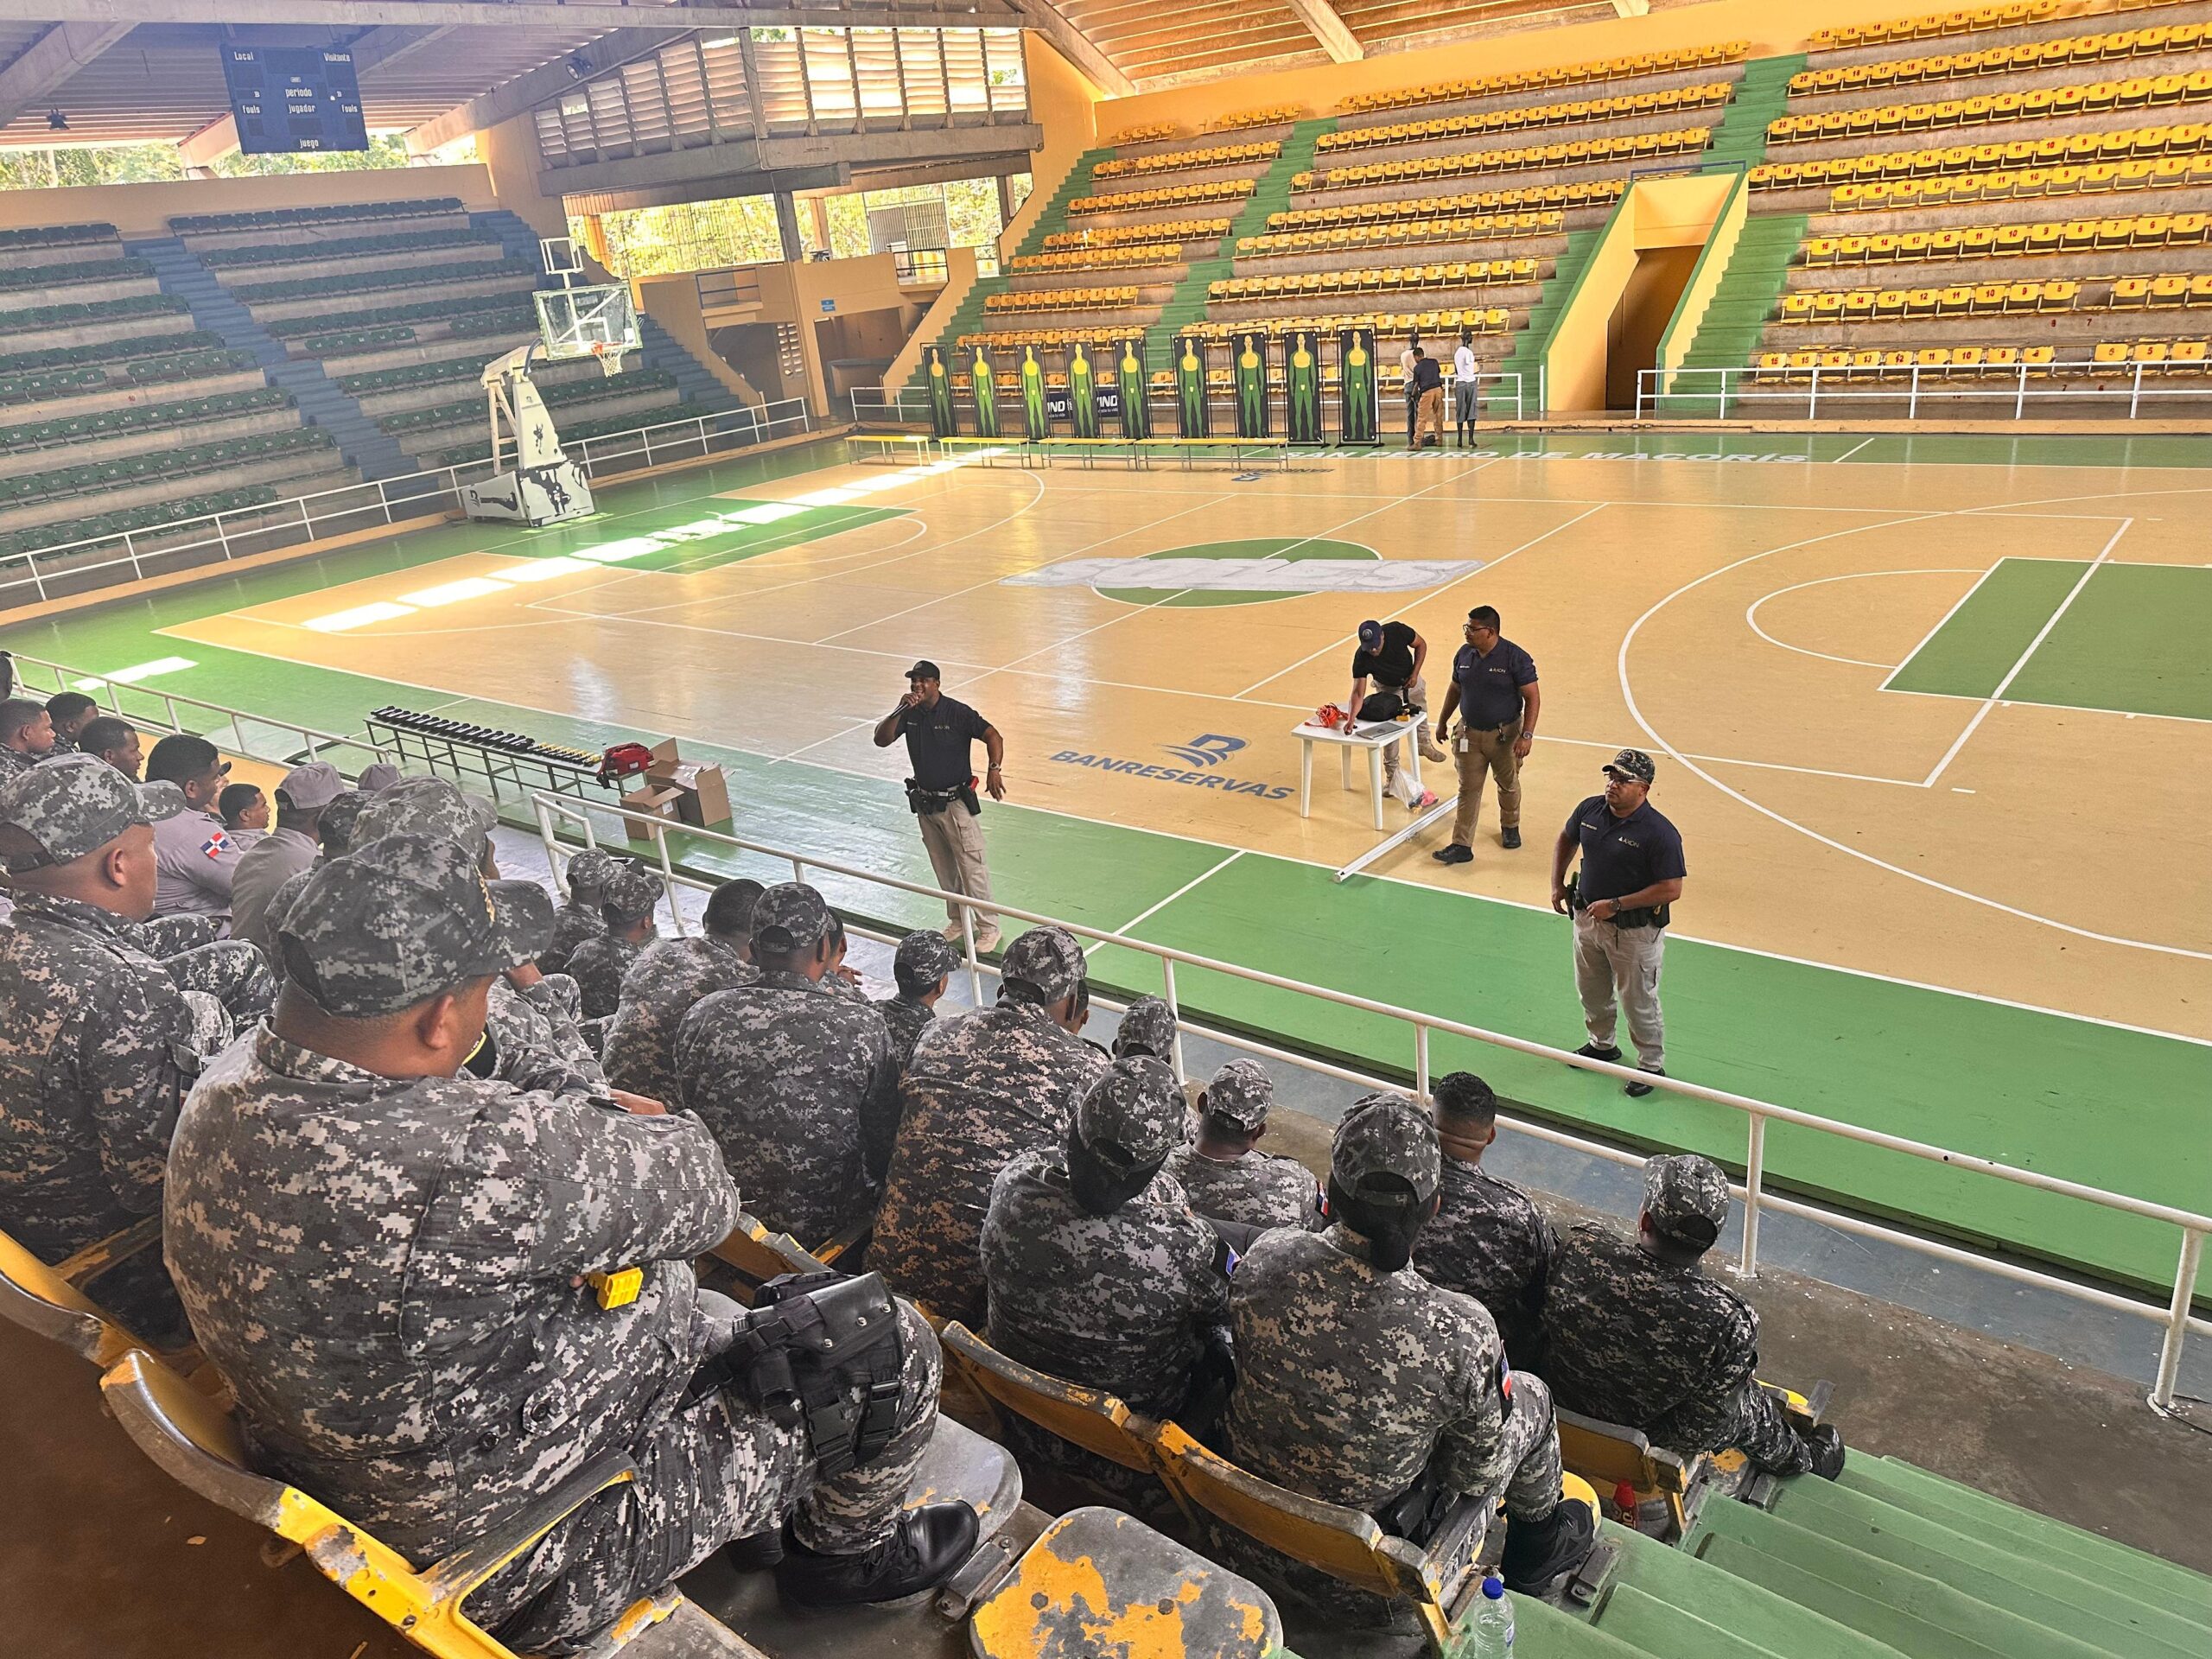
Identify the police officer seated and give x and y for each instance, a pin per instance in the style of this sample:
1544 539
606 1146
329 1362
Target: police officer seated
797 1083
578 918
1224 1172
103 1037
415 1281
669 979
922 967
1635 1334
632 894
1147 1027
1487 1238
1360 1383
1097 1271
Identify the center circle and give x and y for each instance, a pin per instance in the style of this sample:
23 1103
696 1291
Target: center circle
1292 550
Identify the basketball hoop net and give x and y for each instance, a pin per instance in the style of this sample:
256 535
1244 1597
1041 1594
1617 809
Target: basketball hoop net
609 357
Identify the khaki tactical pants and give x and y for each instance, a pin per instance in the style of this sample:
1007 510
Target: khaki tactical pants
955 839
1428 415
1478 754
1617 967
1416 693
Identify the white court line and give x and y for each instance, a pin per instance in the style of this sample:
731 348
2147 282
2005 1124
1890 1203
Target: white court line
2034 645
1940 621
1432 889
1751 615
1853 450
1636 712
1147 913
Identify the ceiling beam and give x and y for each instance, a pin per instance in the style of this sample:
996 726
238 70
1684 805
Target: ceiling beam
373 50
50 60
1077 48
531 88
579 18
1339 43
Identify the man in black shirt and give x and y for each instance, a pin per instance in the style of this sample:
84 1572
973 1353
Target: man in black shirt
1632 870
1425 402
1392 655
940 732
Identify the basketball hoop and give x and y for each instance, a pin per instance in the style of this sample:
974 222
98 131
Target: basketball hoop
608 357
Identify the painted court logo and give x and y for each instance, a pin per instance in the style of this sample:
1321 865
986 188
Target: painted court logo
1210 750
1203 753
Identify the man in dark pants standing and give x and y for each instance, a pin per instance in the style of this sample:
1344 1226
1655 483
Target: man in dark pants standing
1494 688
1632 870
939 732
1425 401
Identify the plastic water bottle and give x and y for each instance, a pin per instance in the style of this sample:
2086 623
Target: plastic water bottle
1493 1623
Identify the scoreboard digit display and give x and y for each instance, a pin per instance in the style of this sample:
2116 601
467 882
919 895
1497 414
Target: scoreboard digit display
292 99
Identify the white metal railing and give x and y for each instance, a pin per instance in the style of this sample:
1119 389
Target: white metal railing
151 706
2177 1316
910 405
1708 393
185 543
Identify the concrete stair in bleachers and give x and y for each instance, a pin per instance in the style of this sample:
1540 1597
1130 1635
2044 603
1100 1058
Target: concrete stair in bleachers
1750 289
364 445
1761 96
1532 342
1892 1562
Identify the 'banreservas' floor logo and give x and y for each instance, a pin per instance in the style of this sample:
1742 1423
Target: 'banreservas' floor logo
1208 750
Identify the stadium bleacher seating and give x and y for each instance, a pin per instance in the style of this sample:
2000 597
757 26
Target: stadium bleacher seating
1627 68
1187 160
1181 195
1063 299
1101 258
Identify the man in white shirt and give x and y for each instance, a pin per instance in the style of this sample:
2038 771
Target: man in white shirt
1464 371
1406 382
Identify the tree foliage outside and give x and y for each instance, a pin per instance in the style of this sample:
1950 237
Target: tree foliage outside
44 167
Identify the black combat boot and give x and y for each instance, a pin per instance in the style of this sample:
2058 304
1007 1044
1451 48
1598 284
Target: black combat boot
1826 1444
1537 1554
926 1548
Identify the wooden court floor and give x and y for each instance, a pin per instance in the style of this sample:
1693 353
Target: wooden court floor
1740 620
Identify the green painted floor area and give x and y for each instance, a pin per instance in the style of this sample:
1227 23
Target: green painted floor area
1969 1075
1930 449
2142 625
1975 647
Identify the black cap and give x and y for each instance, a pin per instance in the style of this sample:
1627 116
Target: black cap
925 669
1632 766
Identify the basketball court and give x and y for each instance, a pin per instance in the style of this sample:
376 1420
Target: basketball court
1934 719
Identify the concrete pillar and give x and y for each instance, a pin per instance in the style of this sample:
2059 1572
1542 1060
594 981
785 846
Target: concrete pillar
1006 199
787 227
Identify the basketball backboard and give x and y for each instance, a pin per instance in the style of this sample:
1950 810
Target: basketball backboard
586 321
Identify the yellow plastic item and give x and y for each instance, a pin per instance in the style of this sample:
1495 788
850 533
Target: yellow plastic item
619 1288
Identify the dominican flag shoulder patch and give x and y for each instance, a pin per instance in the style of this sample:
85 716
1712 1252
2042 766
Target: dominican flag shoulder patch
216 845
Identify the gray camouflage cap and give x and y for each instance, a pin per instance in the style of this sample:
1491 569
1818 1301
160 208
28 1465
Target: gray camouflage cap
1048 961
1133 1108
399 920
790 916
1147 1027
1686 1197
525 906
1387 1135
1241 1093
74 804
427 806
588 874
924 958
334 828
634 891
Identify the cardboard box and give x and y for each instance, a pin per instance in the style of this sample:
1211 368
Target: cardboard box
655 802
701 794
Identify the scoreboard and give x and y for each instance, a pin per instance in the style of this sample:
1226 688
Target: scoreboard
289 99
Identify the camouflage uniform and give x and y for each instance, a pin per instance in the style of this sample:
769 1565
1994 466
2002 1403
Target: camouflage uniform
1488 1240
392 1304
531 1030
1656 1345
1257 1188
980 1089
578 918
1353 1381
668 977
102 1037
798 1084
923 958
598 964
1147 1027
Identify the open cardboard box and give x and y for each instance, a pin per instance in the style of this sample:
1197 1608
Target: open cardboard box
679 792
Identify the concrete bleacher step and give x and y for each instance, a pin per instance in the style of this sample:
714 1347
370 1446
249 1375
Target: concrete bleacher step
1646 1624
1767 1621
1748 291
1530 344
360 441
1762 96
1920 1492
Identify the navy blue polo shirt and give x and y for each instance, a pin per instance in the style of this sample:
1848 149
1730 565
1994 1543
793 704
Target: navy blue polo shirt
938 740
1490 687
1623 856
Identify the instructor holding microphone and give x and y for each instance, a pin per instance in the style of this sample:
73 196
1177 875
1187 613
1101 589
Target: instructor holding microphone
940 734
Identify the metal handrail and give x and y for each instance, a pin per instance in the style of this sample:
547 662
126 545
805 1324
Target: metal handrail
381 501
884 403
1815 382
313 742
2176 1317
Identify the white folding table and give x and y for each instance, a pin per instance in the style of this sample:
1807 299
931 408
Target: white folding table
1373 737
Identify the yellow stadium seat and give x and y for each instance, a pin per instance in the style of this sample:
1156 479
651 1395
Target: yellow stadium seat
2038 357
2190 354
2200 289
2001 357
2167 292
1953 301
2110 352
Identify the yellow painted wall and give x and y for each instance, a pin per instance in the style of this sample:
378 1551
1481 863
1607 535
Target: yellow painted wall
510 152
1705 281
1064 105
673 302
1668 212
960 276
145 209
